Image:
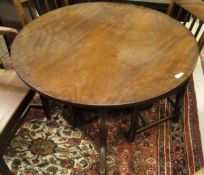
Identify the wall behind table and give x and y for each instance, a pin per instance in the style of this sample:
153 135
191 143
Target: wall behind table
8 15
9 18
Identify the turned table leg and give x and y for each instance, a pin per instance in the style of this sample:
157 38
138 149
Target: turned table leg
103 140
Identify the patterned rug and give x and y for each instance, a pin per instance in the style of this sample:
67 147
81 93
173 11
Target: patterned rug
55 148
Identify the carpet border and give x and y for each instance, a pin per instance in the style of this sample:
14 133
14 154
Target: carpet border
196 119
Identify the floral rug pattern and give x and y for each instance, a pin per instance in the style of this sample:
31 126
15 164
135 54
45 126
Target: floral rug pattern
50 147
54 147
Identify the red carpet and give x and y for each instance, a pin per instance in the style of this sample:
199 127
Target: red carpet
42 147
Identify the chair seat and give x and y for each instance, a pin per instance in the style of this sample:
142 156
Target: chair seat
12 93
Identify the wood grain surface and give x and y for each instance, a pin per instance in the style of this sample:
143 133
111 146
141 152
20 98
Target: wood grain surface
104 54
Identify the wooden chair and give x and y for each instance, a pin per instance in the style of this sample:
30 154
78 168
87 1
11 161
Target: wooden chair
15 97
193 20
30 9
195 10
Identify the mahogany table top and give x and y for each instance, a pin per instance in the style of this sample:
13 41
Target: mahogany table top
104 54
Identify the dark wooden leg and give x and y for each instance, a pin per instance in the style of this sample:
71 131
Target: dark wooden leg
178 16
46 106
69 112
3 167
73 117
133 125
103 139
187 18
178 105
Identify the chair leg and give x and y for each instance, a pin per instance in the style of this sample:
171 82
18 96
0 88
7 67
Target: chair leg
73 117
46 107
3 167
134 125
178 105
69 112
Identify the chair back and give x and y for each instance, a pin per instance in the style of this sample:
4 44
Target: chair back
193 19
31 9
5 61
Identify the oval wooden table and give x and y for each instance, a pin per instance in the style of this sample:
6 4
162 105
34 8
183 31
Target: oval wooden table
105 55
